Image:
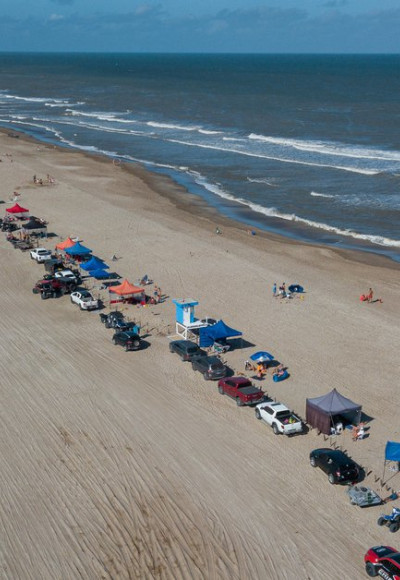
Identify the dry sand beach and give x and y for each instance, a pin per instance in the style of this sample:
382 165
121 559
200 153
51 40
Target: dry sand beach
130 465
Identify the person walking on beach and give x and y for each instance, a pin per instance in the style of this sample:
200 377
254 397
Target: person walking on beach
370 295
274 290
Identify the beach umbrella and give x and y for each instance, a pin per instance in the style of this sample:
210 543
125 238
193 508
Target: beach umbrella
262 356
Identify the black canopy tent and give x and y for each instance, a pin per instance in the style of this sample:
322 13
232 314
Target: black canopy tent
325 411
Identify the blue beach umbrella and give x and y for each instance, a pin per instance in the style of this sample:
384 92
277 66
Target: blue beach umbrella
262 356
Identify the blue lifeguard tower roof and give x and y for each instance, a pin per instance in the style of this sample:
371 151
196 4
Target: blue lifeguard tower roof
185 310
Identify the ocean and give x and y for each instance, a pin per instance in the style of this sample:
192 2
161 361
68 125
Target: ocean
307 146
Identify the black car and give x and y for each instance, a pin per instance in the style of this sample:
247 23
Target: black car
112 317
122 324
128 339
339 467
186 349
210 366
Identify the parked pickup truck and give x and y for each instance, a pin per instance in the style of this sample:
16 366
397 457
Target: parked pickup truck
57 286
84 300
281 419
72 275
40 255
240 389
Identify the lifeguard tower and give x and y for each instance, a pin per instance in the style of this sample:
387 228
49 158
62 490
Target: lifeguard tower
185 318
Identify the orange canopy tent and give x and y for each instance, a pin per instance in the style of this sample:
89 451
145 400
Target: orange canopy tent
68 243
125 289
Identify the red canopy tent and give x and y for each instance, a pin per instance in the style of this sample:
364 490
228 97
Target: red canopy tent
125 289
18 211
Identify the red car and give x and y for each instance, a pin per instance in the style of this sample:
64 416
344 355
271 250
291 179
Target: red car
383 561
241 389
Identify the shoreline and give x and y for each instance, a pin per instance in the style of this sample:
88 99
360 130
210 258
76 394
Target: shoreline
184 200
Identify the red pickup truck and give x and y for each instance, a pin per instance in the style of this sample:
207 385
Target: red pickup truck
240 389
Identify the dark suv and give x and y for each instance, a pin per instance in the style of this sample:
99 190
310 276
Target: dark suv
210 367
339 467
186 349
128 339
53 286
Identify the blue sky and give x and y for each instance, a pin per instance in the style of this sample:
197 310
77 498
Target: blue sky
324 26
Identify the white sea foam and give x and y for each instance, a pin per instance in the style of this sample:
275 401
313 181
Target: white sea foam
260 180
172 126
329 148
36 99
316 194
274 213
275 158
109 117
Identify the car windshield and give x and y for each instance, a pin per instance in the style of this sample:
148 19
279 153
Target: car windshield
216 365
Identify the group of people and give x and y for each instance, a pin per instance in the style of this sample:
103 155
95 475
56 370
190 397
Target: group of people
358 432
369 297
282 291
261 369
39 181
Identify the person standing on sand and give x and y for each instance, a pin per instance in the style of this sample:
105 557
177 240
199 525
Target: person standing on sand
274 290
370 295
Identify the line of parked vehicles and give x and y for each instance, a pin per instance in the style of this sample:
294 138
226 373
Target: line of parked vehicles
60 280
379 560
382 560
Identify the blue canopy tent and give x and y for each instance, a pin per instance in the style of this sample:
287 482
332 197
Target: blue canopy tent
94 264
99 274
78 250
216 332
392 453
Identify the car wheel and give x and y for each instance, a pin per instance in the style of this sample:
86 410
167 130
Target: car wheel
171 349
313 462
127 348
35 290
205 375
275 429
107 324
381 521
331 478
393 527
239 402
221 391
72 300
371 570
258 414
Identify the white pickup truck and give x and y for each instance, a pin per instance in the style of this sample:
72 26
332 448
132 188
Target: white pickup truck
40 255
84 300
281 419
